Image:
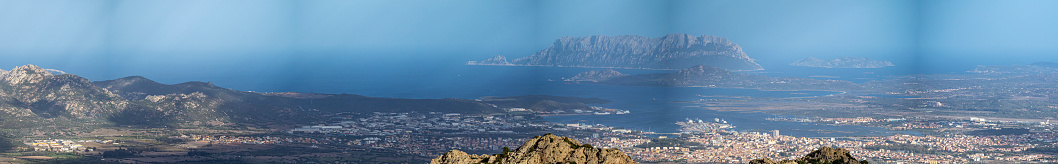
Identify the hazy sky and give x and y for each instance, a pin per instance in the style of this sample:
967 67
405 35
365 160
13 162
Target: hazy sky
112 39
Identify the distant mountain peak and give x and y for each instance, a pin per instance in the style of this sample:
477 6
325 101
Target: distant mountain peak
198 84
135 78
672 51
30 69
25 74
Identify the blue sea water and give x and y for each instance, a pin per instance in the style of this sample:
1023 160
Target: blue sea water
653 108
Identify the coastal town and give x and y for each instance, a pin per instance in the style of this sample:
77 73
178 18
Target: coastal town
718 144
700 141
742 147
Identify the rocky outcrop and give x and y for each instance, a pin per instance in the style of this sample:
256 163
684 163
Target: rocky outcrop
30 91
597 75
673 51
542 149
25 74
822 155
844 62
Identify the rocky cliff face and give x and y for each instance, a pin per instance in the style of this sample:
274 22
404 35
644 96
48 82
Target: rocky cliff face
29 91
673 51
542 149
822 155
845 62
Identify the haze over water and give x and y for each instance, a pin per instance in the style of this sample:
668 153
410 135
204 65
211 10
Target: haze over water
417 50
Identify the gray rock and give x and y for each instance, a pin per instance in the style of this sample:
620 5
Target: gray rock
542 149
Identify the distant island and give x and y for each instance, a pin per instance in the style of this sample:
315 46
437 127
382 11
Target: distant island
844 62
673 51
707 76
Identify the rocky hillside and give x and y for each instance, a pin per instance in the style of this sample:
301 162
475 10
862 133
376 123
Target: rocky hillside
542 149
29 91
31 96
673 51
825 155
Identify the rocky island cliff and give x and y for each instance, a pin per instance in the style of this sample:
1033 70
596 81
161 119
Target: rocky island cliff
542 149
673 51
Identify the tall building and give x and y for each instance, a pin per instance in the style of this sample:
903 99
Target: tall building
775 132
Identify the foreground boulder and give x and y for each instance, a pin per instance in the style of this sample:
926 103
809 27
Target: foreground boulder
542 149
824 155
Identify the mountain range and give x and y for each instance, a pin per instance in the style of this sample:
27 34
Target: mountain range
30 95
673 51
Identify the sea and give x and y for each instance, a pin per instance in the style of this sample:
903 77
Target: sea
654 109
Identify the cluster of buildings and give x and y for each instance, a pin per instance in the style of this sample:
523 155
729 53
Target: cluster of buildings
62 145
431 134
386 124
742 147
248 139
434 146
614 142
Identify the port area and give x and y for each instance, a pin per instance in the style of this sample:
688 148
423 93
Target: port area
701 126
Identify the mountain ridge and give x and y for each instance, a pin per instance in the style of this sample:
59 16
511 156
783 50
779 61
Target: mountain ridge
672 51
32 93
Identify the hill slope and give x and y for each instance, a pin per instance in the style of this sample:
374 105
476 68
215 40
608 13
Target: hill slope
30 95
542 149
825 155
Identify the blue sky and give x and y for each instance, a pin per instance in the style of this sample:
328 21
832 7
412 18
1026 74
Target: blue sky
114 38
